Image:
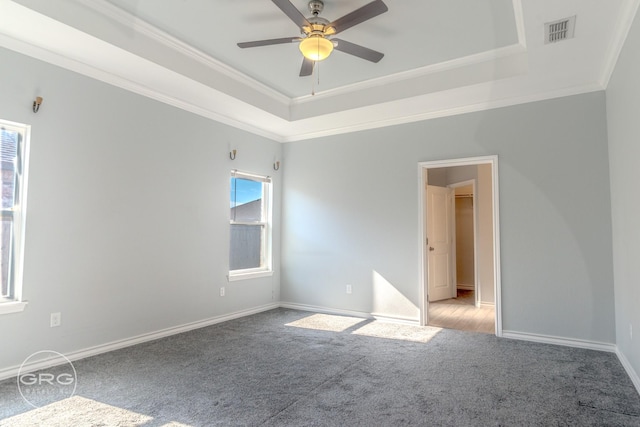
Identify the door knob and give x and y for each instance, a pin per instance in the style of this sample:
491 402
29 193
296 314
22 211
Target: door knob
431 248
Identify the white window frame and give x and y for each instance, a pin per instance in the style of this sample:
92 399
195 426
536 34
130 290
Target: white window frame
17 213
267 268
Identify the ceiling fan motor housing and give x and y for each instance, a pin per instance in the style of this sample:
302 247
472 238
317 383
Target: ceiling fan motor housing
316 6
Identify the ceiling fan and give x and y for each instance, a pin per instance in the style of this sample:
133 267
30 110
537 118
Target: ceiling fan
316 42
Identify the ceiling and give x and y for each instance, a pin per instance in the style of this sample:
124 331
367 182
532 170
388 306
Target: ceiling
442 57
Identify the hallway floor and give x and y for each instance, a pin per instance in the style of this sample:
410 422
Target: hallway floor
461 313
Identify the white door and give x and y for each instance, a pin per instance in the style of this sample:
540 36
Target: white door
439 249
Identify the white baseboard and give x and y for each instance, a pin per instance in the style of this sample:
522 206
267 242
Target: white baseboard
115 345
396 319
630 371
568 342
466 287
361 314
326 310
487 304
127 342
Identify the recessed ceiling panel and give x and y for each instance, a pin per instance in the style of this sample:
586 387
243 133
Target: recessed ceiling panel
412 34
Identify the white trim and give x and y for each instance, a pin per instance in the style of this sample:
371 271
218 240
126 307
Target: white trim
422 243
233 277
518 13
252 176
486 304
453 273
567 342
497 290
127 342
477 58
422 173
163 333
16 269
256 120
86 69
146 29
448 112
326 310
266 264
361 314
214 103
625 21
627 367
12 307
400 320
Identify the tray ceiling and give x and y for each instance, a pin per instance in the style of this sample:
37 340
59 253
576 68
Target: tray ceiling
442 57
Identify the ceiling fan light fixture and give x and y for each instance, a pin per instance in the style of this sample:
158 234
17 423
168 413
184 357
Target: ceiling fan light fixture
316 47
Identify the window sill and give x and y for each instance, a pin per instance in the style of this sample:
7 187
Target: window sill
252 275
12 307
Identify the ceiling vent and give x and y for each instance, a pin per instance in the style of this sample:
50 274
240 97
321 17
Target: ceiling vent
562 29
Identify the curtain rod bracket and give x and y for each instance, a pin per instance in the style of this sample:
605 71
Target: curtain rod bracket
36 104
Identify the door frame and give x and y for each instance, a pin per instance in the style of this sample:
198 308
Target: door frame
423 167
473 184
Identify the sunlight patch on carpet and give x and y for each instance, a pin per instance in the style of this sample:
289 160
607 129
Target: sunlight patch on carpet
326 322
366 327
78 411
396 331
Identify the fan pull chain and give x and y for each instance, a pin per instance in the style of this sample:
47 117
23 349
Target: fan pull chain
316 70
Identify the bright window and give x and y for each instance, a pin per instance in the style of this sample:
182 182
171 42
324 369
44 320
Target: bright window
13 153
250 223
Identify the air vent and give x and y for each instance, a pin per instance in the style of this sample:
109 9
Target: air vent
557 31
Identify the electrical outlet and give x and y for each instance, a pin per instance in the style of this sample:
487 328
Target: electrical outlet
222 291
349 289
56 319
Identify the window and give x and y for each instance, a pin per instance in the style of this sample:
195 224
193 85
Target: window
13 139
250 246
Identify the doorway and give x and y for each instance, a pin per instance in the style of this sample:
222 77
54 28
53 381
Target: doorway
473 290
465 226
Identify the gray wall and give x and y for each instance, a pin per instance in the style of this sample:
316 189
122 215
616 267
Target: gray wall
128 213
127 227
623 105
350 214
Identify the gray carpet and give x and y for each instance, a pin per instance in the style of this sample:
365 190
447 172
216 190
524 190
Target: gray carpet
292 368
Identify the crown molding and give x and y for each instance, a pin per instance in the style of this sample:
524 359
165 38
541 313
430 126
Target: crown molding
29 33
146 29
410 75
518 14
85 69
407 116
626 17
